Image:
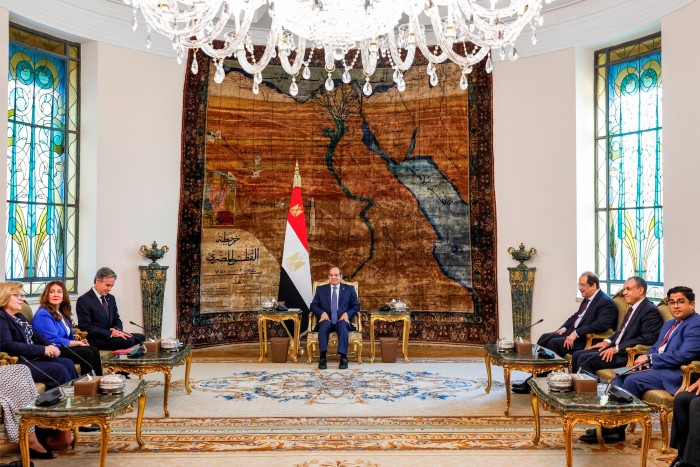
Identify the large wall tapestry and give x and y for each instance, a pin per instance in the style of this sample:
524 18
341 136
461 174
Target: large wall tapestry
397 187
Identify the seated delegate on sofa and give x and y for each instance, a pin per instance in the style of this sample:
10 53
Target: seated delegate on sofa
98 315
18 338
17 389
53 320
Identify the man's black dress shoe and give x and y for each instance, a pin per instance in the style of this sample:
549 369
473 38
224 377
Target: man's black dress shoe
88 428
610 435
41 455
520 390
521 385
322 364
343 363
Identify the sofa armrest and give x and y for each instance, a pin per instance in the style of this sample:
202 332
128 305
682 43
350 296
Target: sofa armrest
633 352
688 371
79 335
6 359
600 336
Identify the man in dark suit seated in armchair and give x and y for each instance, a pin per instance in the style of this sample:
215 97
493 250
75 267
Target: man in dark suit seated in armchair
596 314
334 305
640 325
98 315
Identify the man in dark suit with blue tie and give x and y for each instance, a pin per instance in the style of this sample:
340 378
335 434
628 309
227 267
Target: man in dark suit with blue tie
334 305
98 315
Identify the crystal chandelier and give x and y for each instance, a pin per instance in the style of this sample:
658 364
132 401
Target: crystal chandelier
465 32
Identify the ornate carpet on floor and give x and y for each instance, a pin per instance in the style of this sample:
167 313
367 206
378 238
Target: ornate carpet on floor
380 414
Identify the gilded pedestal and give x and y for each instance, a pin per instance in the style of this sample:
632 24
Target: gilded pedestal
522 281
153 289
153 279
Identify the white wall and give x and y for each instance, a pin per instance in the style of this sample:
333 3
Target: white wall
535 172
130 169
681 120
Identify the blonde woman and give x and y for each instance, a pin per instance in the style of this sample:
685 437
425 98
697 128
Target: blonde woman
18 338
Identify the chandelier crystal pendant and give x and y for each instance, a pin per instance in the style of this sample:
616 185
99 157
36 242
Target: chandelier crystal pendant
463 31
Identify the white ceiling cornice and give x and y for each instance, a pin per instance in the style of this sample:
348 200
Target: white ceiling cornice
568 23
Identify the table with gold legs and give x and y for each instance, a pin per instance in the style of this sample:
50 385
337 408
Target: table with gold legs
390 317
593 408
264 316
511 361
76 411
156 362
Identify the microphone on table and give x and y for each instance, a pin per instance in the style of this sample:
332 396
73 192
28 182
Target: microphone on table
527 328
138 326
620 395
92 370
50 397
138 351
146 330
591 358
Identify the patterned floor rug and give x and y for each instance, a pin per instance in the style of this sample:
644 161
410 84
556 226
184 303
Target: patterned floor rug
383 414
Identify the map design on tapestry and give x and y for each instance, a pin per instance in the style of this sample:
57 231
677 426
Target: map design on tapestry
385 180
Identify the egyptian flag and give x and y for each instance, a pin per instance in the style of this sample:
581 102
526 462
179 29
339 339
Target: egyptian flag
295 275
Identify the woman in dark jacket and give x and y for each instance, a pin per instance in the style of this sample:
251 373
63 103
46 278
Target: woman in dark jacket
18 338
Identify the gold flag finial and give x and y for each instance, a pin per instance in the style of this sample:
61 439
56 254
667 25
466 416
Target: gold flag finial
297 175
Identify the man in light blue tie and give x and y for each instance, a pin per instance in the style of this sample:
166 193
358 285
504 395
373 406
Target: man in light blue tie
334 305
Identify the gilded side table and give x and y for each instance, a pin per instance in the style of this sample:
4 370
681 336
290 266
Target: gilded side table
152 362
518 361
264 316
75 411
593 408
390 317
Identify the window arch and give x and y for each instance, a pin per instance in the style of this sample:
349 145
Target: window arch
42 160
628 155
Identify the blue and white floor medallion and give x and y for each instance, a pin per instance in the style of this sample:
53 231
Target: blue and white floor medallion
334 387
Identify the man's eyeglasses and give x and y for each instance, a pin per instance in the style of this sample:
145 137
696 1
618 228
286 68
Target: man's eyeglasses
18 296
680 302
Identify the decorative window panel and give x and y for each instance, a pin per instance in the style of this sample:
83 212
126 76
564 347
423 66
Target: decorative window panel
628 154
42 160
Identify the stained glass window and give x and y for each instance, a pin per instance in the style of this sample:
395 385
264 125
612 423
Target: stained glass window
629 176
42 160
